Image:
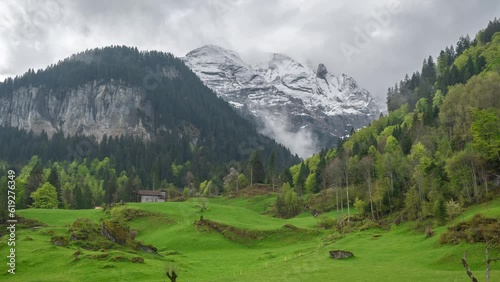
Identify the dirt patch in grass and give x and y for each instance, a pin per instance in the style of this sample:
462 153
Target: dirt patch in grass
98 256
230 232
137 260
119 258
128 214
28 222
59 241
245 236
252 191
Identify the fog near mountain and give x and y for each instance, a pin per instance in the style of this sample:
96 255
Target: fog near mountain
302 142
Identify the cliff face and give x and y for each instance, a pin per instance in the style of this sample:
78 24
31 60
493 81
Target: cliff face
94 108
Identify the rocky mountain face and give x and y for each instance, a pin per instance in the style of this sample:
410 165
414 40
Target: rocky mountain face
302 108
137 97
92 109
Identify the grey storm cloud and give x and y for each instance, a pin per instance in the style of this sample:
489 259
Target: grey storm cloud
376 42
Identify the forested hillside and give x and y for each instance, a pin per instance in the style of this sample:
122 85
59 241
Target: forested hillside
194 135
437 151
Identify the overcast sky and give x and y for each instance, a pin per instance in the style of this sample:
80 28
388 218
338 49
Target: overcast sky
376 42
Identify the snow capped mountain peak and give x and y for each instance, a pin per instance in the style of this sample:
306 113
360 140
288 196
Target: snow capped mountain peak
224 68
281 90
280 64
214 52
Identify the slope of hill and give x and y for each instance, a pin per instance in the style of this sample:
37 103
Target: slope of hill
438 149
197 254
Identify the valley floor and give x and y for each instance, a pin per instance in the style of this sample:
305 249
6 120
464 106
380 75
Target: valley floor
282 254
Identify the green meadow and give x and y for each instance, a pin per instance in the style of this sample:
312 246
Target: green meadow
282 250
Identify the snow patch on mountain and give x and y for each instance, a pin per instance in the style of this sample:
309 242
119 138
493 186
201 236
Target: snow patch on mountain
302 108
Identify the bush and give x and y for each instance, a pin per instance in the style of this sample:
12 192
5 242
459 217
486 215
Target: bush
133 234
45 197
326 223
117 232
119 258
360 206
98 256
453 209
137 260
84 229
478 229
287 202
59 241
429 232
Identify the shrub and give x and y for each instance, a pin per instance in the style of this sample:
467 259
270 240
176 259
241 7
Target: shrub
117 232
360 206
137 260
59 241
453 209
45 197
326 223
84 229
429 232
185 192
119 258
287 202
478 229
133 234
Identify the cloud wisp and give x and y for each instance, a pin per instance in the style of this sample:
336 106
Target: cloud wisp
302 142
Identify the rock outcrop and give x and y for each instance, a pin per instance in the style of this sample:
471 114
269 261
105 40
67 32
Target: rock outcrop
338 254
93 109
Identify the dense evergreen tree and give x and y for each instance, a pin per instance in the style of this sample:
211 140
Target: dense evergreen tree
271 170
54 180
429 70
77 198
486 35
257 172
300 179
34 182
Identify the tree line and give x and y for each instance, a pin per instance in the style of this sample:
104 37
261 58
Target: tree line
86 183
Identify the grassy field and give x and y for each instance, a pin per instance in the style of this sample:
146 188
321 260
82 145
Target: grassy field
398 254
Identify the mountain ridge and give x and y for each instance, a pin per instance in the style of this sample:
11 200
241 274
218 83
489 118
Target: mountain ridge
281 90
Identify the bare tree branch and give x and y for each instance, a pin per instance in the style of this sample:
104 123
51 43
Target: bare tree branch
466 266
172 276
487 264
488 260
